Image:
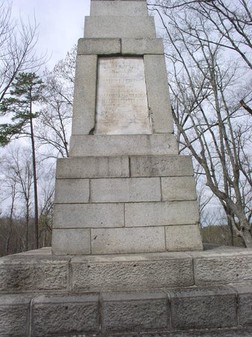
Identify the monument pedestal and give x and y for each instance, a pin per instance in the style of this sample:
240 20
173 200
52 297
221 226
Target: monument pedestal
190 294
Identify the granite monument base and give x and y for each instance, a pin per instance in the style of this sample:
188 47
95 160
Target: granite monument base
207 293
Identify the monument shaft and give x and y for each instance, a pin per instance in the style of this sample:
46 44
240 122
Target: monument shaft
124 188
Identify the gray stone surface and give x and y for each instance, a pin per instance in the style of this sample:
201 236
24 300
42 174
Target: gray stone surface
71 241
84 94
68 314
244 292
119 27
161 214
209 333
99 46
21 273
125 190
170 165
142 46
203 308
158 93
183 237
112 8
223 267
14 315
132 272
121 145
71 191
135 312
88 215
92 167
178 188
127 240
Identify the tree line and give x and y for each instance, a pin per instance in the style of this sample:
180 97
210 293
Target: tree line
208 51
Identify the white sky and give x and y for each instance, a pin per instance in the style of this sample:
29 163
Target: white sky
61 23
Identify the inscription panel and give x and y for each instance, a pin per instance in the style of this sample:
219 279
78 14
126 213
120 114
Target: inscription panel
122 106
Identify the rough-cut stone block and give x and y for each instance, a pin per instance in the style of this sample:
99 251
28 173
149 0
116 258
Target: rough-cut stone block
182 238
125 190
226 332
88 215
244 292
132 272
127 240
119 27
158 94
71 241
71 191
170 165
135 312
178 188
223 267
84 94
122 145
92 167
112 8
19 273
65 314
161 213
203 308
99 46
142 46
14 315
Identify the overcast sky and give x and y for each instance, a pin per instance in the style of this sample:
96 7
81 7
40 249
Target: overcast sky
61 23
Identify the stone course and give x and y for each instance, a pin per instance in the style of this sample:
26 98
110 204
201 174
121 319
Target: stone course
142 295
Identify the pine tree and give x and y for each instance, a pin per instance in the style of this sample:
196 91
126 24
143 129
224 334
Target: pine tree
26 90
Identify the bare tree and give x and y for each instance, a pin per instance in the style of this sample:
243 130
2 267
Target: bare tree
209 121
55 120
17 48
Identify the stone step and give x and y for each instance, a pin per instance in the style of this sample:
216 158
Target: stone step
41 272
167 312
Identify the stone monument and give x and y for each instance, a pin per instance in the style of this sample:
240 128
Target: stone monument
124 188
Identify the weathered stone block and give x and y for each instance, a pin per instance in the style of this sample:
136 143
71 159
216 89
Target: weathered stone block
71 191
228 332
71 241
125 190
122 145
132 272
158 94
178 188
117 8
135 312
119 27
84 94
88 215
31 273
99 46
223 267
92 167
127 240
170 165
203 308
14 315
244 293
64 315
182 238
142 46
161 214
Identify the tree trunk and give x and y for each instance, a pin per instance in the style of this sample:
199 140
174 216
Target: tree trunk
34 182
247 238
